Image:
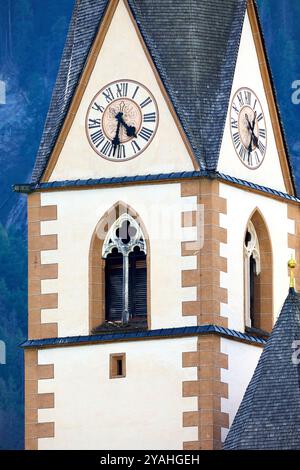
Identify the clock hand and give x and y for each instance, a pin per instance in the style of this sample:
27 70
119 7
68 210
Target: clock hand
116 140
255 139
130 130
249 149
251 128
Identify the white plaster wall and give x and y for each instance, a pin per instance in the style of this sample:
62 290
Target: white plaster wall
247 74
122 56
159 207
141 411
242 360
240 205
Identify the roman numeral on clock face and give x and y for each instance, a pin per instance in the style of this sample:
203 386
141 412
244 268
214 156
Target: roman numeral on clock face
234 123
257 159
121 152
107 148
247 96
145 133
146 102
97 138
136 148
236 139
262 148
94 123
108 95
97 107
262 133
235 108
240 98
150 117
242 152
135 92
122 90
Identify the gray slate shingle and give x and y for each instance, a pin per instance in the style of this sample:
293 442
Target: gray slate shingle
84 25
269 415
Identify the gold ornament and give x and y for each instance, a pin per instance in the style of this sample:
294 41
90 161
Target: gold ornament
292 264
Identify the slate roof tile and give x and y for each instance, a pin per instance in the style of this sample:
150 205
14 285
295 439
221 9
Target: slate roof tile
162 332
25 187
269 415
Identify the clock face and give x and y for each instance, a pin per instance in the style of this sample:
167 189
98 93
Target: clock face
121 120
248 128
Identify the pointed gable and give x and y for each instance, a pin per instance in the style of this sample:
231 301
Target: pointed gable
269 414
193 47
119 58
253 74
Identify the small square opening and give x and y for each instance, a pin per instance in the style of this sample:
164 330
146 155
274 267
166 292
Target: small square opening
117 365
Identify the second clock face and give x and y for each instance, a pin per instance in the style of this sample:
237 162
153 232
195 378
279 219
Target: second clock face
121 120
248 128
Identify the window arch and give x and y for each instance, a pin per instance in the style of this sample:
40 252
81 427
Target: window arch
252 270
258 275
119 267
124 250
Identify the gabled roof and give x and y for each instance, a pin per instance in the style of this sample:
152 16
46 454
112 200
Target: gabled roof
269 415
194 46
84 25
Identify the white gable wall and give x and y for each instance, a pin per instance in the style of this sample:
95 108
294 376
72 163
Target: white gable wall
159 207
122 57
242 361
140 411
247 74
240 206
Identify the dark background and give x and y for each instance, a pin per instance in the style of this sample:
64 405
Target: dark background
32 35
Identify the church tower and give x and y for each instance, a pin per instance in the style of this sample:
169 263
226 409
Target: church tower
161 212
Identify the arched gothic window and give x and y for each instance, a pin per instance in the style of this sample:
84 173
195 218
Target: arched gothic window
124 251
252 270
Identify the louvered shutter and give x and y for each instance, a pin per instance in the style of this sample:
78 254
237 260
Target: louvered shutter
113 287
138 284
